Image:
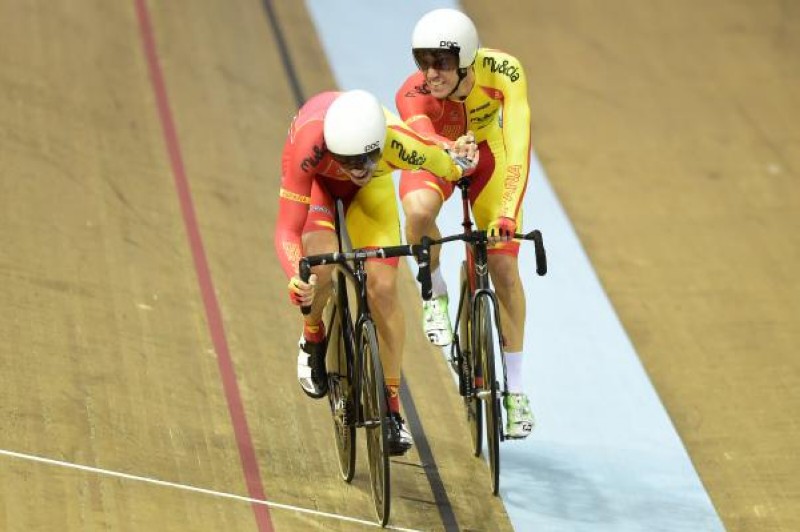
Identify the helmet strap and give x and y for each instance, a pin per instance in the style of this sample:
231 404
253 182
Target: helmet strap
462 74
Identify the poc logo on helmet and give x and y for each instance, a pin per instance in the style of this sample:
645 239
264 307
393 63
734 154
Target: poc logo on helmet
374 146
448 44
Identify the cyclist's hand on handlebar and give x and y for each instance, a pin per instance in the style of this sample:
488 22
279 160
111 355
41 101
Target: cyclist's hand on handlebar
502 230
300 293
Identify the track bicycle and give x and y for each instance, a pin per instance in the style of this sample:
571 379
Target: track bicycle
356 389
473 354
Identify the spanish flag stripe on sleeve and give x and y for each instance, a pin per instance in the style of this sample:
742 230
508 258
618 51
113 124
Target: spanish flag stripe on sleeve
289 195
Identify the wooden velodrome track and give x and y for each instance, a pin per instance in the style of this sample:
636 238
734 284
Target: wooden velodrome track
143 320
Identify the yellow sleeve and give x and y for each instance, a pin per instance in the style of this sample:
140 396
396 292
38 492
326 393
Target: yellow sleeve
517 137
407 150
508 76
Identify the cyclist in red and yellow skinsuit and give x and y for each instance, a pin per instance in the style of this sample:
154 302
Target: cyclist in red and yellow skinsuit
345 145
464 94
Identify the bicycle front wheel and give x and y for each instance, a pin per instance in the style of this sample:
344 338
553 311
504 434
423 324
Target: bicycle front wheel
340 394
375 420
468 367
484 347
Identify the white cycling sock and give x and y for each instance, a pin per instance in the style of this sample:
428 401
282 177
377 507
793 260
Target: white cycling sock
439 287
514 372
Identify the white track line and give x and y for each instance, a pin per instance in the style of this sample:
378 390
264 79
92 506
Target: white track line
184 487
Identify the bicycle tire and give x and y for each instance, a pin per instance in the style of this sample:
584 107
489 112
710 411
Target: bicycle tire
375 420
340 391
484 347
467 368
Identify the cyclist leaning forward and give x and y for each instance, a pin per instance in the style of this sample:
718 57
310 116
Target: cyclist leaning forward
459 89
346 145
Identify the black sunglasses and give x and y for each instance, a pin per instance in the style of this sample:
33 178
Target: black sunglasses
435 58
359 161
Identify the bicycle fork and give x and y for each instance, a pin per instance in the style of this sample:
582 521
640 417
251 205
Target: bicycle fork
481 391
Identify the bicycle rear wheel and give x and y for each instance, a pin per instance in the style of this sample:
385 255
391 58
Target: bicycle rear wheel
484 347
375 420
468 368
340 391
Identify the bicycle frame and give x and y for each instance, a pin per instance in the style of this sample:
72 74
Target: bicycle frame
478 280
477 271
358 279
362 361
475 364
356 276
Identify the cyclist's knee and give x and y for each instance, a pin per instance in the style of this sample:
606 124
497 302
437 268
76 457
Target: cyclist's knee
382 290
421 208
504 270
420 219
315 242
324 274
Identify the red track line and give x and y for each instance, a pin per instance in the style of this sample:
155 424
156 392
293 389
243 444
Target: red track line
255 487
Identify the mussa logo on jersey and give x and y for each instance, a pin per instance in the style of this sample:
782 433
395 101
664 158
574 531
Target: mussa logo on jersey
413 158
311 162
502 68
418 89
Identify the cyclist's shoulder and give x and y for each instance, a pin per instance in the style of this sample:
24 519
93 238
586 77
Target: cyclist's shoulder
414 94
316 106
413 86
396 131
485 55
304 149
392 120
498 66
306 138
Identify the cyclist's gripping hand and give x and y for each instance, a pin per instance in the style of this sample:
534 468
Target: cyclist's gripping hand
300 293
465 146
502 230
464 152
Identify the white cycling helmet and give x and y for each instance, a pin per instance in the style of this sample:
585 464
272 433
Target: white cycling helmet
447 29
355 125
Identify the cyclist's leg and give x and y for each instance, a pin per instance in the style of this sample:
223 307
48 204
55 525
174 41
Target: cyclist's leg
318 237
316 242
385 308
422 195
504 271
486 196
373 221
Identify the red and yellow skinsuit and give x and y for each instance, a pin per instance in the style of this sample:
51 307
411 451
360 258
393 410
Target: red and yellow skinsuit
497 112
311 179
